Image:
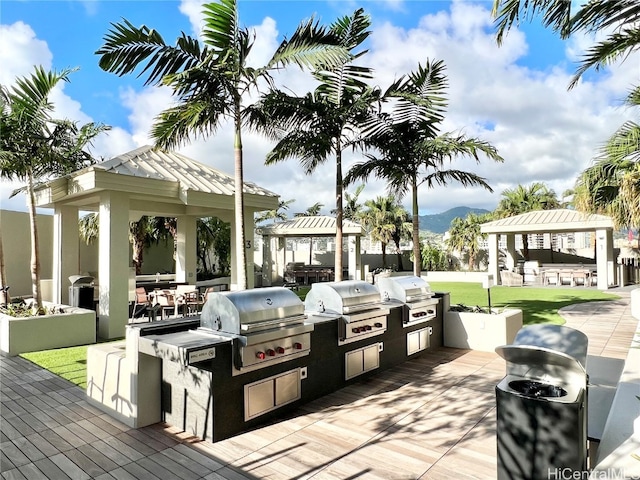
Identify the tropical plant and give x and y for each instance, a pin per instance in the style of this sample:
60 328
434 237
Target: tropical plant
352 208
276 214
142 234
214 234
379 219
34 146
620 19
321 124
410 149
311 211
434 257
210 81
464 235
523 199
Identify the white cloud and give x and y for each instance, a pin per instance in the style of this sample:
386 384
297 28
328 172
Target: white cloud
20 50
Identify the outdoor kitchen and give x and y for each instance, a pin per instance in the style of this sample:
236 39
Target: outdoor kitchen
252 356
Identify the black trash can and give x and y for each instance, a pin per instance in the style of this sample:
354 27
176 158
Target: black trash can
81 292
541 404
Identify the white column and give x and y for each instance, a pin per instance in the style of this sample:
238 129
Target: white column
494 268
186 246
66 251
604 258
267 261
354 258
249 235
511 252
113 249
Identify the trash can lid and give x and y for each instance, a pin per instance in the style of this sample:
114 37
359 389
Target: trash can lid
80 279
545 351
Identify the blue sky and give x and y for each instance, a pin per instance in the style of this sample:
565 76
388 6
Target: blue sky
514 96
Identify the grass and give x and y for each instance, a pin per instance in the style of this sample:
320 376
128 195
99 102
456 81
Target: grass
69 363
538 305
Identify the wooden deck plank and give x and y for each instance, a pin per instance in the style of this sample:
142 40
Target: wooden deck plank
71 469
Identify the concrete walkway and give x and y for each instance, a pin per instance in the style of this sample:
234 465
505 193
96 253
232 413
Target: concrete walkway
430 418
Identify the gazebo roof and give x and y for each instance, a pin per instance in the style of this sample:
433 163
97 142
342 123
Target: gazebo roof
152 176
547 221
316 226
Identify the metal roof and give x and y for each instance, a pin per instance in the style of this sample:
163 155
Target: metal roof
316 226
545 221
146 162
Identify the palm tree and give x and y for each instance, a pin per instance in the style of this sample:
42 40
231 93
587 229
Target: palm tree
320 125
214 234
352 208
411 152
277 214
619 18
385 220
464 234
523 199
311 211
210 81
34 146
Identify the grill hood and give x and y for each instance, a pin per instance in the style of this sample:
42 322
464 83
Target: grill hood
342 297
405 289
251 310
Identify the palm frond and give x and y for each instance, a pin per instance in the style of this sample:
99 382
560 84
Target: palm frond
507 13
126 47
617 45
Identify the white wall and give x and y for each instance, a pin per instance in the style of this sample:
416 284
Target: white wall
16 242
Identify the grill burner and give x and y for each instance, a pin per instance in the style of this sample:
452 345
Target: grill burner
267 325
358 303
414 293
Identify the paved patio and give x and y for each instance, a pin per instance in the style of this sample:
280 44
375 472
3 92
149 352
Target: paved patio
429 418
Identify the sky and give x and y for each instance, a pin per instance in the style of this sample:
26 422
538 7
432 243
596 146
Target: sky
514 96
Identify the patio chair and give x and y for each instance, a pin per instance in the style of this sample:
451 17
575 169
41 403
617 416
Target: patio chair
188 297
142 304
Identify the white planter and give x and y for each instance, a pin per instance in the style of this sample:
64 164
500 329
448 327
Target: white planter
481 331
77 326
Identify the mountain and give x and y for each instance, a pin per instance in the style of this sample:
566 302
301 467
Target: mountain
440 222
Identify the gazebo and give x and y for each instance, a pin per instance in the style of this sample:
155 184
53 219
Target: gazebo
308 226
553 221
144 181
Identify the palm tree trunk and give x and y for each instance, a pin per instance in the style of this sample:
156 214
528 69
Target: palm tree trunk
399 257
339 213
525 246
4 291
35 258
384 254
241 257
415 235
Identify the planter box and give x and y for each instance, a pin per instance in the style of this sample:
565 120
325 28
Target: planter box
481 331
77 326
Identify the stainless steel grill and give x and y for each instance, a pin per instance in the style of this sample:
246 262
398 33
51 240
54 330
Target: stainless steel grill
414 292
267 325
362 313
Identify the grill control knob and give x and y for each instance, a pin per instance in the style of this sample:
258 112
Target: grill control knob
377 325
279 350
297 346
271 353
367 327
260 355
355 329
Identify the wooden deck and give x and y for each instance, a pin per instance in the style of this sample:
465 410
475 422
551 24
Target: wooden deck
429 418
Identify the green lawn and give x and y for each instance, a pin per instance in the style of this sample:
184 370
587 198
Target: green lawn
69 363
538 305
